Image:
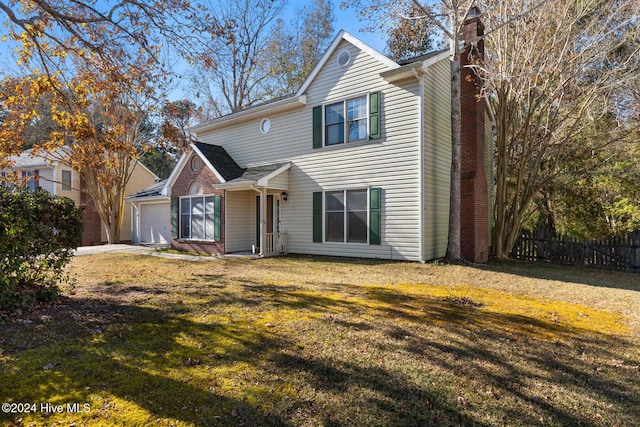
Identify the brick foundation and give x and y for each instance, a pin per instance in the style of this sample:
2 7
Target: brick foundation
92 234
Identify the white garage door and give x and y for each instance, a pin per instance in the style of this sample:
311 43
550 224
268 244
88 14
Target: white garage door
155 223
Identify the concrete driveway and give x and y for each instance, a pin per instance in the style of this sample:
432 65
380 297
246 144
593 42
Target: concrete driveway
136 249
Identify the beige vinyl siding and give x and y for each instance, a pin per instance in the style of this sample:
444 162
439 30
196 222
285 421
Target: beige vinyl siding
140 178
240 220
437 158
390 163
281 181
74 194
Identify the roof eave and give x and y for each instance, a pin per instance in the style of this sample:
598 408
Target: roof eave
154 198
414 69
264 181
250 114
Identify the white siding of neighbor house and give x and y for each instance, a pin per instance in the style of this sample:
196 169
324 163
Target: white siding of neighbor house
46 179
239 220
391 163
437 158
136 233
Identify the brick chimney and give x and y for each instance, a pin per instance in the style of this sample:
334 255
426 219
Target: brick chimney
474 215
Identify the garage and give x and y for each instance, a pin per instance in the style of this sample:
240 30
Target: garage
155 226
151 215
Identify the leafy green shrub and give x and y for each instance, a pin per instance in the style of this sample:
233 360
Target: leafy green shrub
38 233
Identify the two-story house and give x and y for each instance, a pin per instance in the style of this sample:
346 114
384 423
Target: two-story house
59 179
356 163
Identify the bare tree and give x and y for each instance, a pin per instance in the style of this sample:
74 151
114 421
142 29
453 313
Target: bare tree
549 73
229 71
295 47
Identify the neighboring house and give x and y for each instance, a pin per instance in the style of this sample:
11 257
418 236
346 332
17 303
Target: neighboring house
61 180
357 163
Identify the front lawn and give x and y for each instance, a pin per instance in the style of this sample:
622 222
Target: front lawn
298 341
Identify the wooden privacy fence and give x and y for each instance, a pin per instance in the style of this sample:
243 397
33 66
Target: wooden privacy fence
616 253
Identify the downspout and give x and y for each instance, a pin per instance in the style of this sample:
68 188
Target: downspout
421 160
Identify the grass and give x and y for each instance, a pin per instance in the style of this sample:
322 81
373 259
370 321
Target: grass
299 341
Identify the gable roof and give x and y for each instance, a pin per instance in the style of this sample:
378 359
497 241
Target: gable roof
256 175
220 160
215 157
343 35
299 98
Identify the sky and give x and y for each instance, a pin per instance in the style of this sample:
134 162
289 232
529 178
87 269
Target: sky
345 19
348 21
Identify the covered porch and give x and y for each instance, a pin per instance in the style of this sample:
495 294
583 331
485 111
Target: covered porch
253 210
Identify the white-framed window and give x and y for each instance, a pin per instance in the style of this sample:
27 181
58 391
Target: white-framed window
345 216
346 121
349 120
199 217
66 180
195 163
265 125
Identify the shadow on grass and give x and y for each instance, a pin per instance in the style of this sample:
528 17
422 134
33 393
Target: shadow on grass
568 273
436 363
146 358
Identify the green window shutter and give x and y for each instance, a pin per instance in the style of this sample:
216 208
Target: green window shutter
374 115
374 216
216 218
317 127
317 217
175 219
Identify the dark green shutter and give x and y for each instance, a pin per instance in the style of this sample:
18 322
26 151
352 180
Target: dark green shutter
374 115
175 219
317 217
374 216
216 218
317 127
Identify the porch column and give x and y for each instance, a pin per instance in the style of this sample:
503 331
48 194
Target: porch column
263 221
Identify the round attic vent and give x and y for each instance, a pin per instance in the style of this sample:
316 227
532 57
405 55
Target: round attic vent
344 57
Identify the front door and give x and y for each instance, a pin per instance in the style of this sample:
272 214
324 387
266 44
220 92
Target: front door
269 215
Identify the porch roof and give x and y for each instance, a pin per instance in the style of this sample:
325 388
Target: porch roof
257 176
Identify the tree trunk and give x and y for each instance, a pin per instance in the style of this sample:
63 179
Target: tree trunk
453 246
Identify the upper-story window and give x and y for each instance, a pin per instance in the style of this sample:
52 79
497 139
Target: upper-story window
66 180
354 119
346 121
